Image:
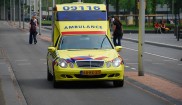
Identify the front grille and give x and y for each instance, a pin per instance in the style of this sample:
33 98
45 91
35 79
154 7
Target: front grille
90 76
90 63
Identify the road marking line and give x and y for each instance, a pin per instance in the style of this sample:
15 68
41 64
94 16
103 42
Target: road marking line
158 63
22 64
148 60
21 60
168 60
130 49
133 68
153 54
132 63
127 66
45 63
42 59
126 59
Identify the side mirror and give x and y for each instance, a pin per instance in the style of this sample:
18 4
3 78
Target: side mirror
51 49
118 48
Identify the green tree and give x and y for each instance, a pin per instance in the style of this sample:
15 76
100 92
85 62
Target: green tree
93 1
127 5
85 1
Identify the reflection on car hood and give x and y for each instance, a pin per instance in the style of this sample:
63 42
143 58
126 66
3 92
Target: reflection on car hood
73 55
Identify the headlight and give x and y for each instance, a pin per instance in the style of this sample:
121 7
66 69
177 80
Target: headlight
62 63
116 62
108 64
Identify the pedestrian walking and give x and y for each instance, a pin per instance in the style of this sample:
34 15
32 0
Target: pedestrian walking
117 31
33 31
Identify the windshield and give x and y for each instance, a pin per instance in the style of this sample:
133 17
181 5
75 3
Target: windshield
85 42
81 15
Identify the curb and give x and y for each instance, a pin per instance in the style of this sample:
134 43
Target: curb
11 91
152 91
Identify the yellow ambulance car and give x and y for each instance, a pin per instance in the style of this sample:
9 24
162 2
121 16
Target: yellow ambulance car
81 48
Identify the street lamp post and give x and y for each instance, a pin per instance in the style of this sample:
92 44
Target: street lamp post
53 5
4 11
107 7
19 13
35 6
30 8
23 14
40 16
140 36
14 11
172 8
10 10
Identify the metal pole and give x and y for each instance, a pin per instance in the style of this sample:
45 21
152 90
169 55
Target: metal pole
35 6
14 11
141 37
40 16
23 14
167 13
19 13
177 32
30 8
10 12
53 5
4 10
172 8
107 7
79 0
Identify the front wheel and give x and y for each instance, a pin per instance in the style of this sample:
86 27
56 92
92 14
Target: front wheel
55 83
118 83
49 75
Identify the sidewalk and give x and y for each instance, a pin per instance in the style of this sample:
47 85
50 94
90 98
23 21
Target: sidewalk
165 39
149 83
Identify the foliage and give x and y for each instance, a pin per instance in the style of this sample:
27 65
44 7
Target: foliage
129 5
85 1
124 4
93 1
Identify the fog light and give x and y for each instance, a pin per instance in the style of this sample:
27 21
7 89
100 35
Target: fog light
117 74
63 76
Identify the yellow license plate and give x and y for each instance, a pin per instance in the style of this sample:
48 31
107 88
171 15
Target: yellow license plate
90 72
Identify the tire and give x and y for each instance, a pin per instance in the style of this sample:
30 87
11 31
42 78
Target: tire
118 83
55 83
49 75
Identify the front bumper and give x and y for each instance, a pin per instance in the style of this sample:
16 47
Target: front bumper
74 74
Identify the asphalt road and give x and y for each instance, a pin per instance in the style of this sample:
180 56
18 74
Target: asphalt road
28 64
161 61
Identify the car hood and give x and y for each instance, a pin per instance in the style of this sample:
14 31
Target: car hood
73 55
